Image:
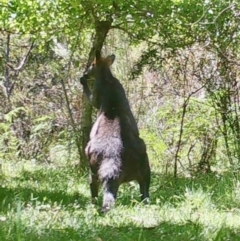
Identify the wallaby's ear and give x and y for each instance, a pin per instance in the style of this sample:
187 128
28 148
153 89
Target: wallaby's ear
110 59
98 55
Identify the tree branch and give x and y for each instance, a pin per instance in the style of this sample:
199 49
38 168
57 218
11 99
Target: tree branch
7 80
23 61
185 105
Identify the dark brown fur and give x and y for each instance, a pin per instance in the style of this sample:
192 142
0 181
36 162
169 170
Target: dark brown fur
116 152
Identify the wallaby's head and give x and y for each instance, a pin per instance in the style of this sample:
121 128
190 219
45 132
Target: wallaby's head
98 66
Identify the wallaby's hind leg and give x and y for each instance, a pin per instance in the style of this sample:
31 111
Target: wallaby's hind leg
144 183
94 186
110 189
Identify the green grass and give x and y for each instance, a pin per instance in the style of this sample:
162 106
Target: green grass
40 202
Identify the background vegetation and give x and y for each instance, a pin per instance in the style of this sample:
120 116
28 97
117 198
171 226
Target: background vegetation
179 63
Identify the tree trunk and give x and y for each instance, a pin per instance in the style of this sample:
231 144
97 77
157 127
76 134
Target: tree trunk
101 30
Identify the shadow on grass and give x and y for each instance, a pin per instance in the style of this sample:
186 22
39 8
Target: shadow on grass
48 186
166 188
165 231
52 187
10 197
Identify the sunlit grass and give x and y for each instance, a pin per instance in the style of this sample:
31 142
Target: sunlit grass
46 202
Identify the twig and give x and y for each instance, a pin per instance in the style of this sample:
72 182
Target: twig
219 14
23 61
7 80
185 104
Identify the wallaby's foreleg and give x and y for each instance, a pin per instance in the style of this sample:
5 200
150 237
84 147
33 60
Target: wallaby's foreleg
86 89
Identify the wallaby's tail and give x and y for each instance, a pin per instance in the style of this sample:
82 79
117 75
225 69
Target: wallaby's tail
109 168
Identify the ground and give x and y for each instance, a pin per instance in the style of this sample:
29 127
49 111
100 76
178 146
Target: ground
51 202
